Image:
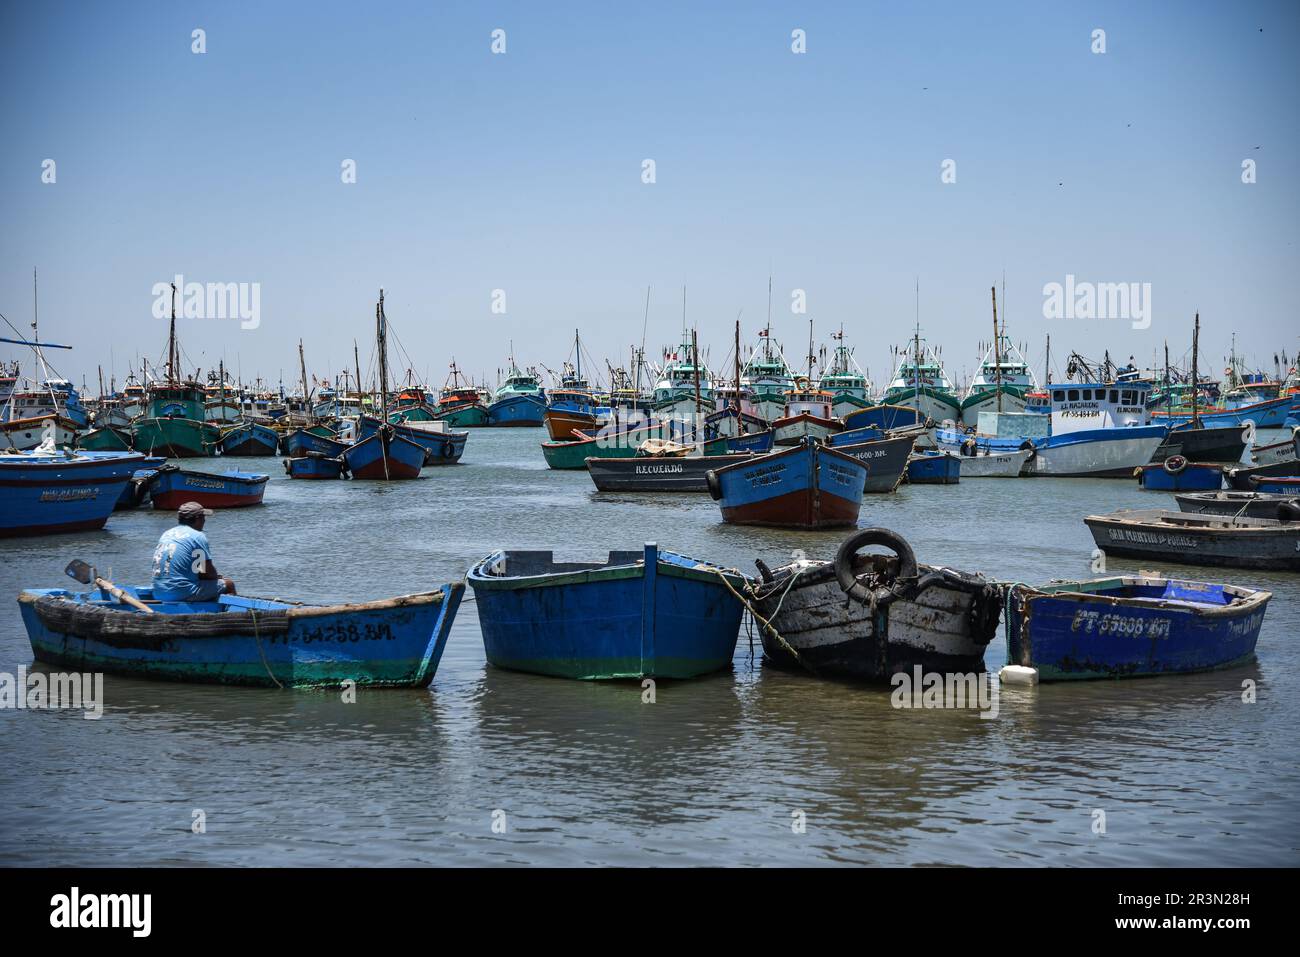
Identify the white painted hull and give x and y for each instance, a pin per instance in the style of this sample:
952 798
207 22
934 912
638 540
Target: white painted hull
1010 403
1111 457
27 434
998 465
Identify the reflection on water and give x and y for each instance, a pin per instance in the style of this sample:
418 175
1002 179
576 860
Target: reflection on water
714 771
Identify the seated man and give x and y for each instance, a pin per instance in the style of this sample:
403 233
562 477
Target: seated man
182 563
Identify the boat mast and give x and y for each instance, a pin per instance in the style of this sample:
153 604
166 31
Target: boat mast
356 361
811 357
302 368
737 367
1196 339
767 338
997 355
1169 392
695 351
171 342
381 345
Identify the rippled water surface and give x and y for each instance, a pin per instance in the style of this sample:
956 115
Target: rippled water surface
712 773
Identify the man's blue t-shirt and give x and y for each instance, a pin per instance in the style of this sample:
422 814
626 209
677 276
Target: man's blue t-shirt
181 554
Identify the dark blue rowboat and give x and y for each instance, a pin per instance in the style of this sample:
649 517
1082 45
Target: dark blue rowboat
441 445
809 485
396 642
250 439
43 494
884 458
651 614
299 442
518 410
172 486
1132 626
1176 474
1277 484
314 465
868 433
934 468
883 416
753 442
384 455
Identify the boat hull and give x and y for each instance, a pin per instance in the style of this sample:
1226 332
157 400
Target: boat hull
1096 453
28 433
939 468
560 423
175 438
396 642
995 464
377 457
1246 504
885 460
1221 444
250 439
171 487
793 429
525 411
468 416
652 473
1157 535
1270 414
301 441
1194 477
1247 479
440 447
314 467
105 439
1182 628
49 495
808 486
653 619
1013 400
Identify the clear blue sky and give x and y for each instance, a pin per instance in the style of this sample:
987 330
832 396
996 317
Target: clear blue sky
523 172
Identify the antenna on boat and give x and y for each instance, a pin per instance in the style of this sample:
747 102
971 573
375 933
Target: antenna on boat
997 356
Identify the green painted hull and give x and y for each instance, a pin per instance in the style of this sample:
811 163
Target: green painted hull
574 455
977 397
105 440
472 416
175 438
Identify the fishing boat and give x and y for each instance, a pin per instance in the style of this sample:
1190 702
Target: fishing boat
319 438
805 486
1285 508
1004 378
611 444
174 422
751 442
459 405
1277 484
1287 450
844 379
47 491
520 401
884 456
985 464
441 445
249 439
315 465
921 384
108 438
1160 535
684 388
171 486
766 374
807 415
1176 474
1247 478
883 416
934 468
647 614
29 416
394 642
872 616
1132 626
673 472
136 492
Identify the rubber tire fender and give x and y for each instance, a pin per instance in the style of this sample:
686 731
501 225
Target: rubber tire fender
843 564
1032 449
1289 511
715 487
1175 465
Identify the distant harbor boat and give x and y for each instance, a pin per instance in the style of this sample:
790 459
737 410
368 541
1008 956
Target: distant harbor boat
171 486
47 491
520 401
806 486
1159 535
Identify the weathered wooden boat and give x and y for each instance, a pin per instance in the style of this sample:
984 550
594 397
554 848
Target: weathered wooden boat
615 445
315 465
26 433
751 442
1223 444
301 441
1277 484
805 486
250 439
171 486
1132 626
136 491
659 473
47 492
395 642
1160 535
934 468
105 439
885 417
441 445
385 455
1245 478
871 616
807 415
884 458
648 614
1245 504
988 464
1288 450
1176 474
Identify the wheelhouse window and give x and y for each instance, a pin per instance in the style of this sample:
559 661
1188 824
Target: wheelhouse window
1058 395
1074 395
1114 396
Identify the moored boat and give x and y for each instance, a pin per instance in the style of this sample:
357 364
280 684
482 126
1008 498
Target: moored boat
873 616
171 486
934 468
394 642
805 486
441 445
1247 479
107 438
301 441
647 614
385 455
315 465
1161 535
986 464
520 401
659 473
249 439
1245 504
47 492
1176 474
1132 626
885 458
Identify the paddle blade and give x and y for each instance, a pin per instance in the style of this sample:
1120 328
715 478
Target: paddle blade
80 571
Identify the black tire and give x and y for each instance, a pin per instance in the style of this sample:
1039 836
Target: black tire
715 487
1175 465
1289 511
848 581
1028 446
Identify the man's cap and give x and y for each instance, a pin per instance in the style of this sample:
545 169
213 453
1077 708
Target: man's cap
191 510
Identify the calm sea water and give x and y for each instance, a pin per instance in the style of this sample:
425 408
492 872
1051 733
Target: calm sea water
713 772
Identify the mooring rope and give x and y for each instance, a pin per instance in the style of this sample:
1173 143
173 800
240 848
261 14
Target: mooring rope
767 625
258 638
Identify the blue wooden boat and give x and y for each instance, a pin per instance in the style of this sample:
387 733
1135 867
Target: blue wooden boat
884 416
809 485
395 642
752 442
933 468
249 439
1176 474
171 486
384 455
651 614
442 446
884 458
868 433
136 491
48 493
1132 626
1277 484
314 465
300 441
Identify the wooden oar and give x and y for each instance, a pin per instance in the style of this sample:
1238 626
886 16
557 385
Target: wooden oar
86 575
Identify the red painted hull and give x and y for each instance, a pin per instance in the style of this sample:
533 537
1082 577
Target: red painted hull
560 425
396 470
168 500
807 508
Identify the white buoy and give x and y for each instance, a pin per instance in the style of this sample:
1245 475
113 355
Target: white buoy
1018 675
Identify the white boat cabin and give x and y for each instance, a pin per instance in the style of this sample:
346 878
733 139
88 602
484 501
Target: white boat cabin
1078 407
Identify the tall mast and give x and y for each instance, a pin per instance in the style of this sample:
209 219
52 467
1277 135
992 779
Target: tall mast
381 342
302 368
1196 340
1047 365
767 339
737 366
1169 393
695 349
171 342
997 355
577 352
